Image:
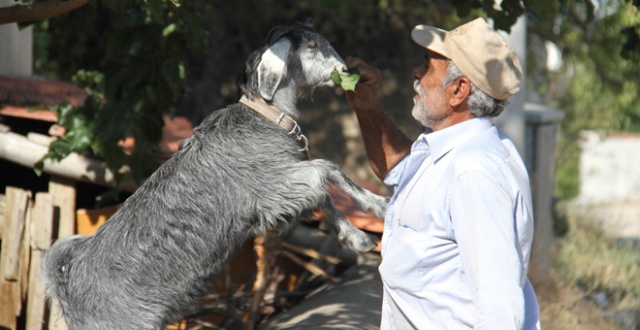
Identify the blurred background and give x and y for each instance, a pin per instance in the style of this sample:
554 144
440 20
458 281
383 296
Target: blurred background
123 81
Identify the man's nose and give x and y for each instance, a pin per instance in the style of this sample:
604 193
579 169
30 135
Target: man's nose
418 72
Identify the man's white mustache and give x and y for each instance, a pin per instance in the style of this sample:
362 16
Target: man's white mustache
416 87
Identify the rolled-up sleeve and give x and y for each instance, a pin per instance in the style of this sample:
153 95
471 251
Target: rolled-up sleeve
392 179
482 207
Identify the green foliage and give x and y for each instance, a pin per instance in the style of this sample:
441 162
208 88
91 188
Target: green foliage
151 56
139 78
598 87
503 17
347 82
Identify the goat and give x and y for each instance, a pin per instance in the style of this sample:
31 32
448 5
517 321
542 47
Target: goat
239 175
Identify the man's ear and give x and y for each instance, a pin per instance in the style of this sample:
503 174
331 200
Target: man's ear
459 91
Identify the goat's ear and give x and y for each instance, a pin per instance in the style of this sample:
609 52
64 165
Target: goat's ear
273 67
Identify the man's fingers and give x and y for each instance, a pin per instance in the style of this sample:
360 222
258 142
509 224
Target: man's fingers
368 73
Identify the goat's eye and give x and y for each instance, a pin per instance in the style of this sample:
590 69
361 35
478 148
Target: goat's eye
312 45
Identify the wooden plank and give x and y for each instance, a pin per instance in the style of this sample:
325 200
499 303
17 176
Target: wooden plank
63 194
14 221
2 207
9 298
10 268
40 229
41 222
25 253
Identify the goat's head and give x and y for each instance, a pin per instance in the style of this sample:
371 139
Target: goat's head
295 56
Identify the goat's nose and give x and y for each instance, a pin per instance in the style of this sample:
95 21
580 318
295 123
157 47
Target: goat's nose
341 68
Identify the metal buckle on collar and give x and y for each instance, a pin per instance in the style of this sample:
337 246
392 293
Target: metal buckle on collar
296 134
305 141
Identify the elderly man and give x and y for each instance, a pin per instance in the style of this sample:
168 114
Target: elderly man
459 227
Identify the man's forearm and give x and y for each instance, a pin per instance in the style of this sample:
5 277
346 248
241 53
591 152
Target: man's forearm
385 144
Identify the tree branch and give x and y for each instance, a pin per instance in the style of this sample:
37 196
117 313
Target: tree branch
38 11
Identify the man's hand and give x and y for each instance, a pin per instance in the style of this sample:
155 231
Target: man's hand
365 97
385 144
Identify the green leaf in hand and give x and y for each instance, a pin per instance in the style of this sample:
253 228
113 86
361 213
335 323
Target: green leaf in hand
346 80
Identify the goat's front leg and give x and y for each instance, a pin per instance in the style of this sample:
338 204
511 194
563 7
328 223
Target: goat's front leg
348 234
363 198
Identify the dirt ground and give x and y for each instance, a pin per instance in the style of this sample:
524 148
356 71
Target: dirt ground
568 308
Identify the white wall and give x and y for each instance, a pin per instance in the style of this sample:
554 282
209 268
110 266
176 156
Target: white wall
609 167
15 47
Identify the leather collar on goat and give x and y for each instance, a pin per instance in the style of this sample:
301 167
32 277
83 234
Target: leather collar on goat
279 118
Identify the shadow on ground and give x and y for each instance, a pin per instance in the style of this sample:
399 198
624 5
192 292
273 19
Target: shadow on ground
352 303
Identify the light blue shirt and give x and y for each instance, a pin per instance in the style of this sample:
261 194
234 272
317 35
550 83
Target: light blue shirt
458 234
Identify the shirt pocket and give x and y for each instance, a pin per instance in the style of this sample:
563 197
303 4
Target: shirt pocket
402 265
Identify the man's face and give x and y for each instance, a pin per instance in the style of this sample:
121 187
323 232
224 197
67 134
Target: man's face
430 107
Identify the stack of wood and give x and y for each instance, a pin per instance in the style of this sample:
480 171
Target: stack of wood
26 232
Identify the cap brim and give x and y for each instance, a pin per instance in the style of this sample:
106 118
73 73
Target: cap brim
430 38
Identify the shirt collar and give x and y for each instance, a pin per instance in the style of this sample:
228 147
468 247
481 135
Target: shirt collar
442 141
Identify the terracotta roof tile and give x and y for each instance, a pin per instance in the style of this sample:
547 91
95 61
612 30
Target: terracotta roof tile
22 112
29 92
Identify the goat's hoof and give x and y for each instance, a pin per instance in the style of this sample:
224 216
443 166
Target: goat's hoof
362 243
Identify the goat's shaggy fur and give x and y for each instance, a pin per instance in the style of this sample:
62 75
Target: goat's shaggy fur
239 175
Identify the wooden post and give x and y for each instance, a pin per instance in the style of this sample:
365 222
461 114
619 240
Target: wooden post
266 253
63 194
40 229
10 258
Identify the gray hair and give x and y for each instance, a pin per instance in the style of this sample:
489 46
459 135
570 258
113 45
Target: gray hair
480 104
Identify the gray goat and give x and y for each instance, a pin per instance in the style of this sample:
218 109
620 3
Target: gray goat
239 175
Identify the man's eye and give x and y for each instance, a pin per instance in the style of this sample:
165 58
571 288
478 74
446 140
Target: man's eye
426 61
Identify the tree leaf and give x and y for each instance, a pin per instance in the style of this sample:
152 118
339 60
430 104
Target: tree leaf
155 8
169 29
347 82
59 150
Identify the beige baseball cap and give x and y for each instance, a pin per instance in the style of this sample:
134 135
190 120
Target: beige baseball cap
479 52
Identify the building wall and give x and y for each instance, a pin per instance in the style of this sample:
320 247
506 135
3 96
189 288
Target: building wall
609 167
15 47
610 182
